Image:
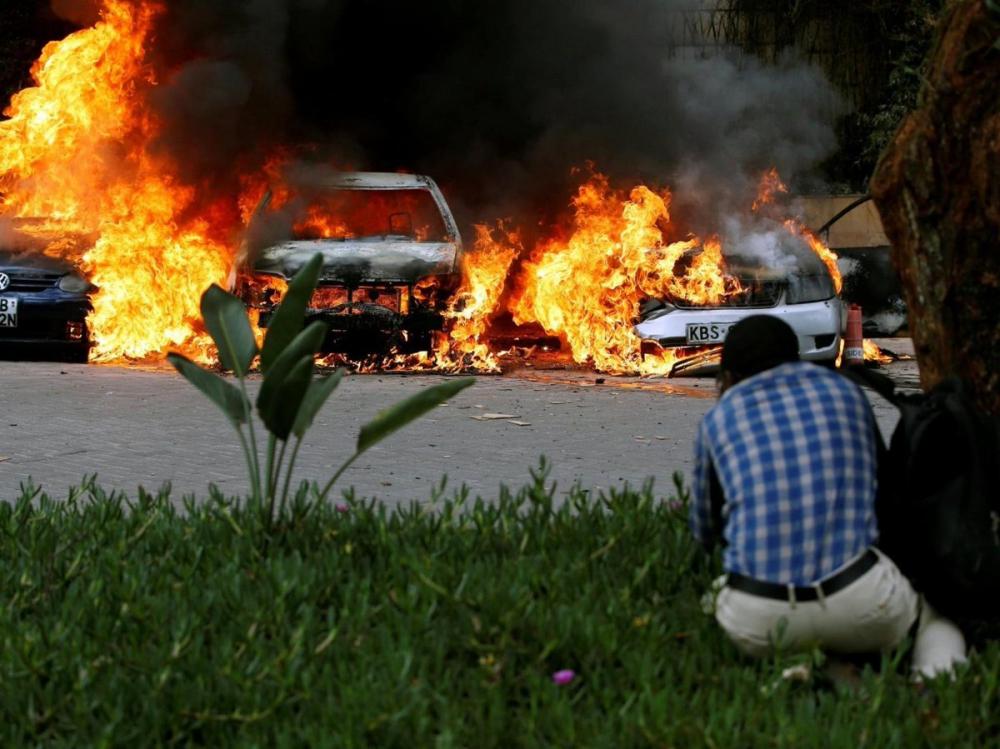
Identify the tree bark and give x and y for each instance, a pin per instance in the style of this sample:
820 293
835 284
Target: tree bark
937 188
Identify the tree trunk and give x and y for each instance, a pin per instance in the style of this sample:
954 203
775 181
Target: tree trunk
937 188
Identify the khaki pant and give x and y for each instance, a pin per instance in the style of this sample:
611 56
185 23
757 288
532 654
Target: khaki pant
872 614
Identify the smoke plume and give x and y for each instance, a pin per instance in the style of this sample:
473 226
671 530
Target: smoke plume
498 101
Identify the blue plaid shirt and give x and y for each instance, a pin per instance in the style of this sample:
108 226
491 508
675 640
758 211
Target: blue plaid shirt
794 453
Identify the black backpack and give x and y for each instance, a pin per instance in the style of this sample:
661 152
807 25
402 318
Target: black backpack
938 505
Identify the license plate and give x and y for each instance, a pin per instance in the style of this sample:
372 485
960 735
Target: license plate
8 312
710 332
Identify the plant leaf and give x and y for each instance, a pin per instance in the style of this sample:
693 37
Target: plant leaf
226 320
401 414
290 394
276 404
223 394
288 319
315 397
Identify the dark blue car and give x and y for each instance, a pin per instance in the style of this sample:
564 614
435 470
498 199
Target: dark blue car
43 307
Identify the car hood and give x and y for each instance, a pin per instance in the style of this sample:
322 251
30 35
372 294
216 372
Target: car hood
358 261
33 261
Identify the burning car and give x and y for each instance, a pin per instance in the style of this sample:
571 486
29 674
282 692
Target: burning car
793 283
391 258
43 303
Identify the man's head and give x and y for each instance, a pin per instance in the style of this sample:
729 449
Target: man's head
753 345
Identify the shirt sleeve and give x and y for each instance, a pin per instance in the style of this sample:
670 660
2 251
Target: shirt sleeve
701 504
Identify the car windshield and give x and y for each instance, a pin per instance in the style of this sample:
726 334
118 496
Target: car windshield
762 277
355 214
791 257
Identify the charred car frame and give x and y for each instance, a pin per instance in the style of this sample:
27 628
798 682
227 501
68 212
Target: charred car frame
391 259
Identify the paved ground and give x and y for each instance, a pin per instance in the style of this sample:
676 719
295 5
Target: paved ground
140 426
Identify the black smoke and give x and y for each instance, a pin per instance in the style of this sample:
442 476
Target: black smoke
498 100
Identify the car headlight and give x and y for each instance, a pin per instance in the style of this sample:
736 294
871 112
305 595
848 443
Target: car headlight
74 284
811 288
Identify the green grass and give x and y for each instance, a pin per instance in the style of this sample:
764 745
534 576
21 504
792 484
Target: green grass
134 624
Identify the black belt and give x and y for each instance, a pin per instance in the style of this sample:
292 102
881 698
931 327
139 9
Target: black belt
780 592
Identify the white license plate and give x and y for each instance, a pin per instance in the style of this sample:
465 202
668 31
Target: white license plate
707 332
8 312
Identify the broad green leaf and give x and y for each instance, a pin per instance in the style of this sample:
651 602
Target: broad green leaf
316 396
226 320
288 319
273 402
290 394
401 414
223 394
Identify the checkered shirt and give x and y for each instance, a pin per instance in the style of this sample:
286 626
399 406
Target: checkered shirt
794 452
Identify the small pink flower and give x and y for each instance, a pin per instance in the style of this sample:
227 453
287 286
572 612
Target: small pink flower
341 507
563 677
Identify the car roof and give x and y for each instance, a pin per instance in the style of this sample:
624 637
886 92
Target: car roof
378 181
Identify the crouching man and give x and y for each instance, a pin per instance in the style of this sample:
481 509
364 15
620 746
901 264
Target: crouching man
785 478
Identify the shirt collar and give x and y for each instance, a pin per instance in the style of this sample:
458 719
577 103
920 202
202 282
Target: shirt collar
763 378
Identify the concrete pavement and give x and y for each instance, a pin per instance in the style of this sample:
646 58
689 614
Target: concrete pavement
136 426
132 426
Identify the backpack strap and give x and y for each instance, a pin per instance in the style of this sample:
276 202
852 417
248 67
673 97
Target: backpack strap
864 377
886 495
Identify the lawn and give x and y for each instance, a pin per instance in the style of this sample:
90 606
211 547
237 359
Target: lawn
127 622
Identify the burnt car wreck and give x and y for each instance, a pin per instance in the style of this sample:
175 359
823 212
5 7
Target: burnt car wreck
391 258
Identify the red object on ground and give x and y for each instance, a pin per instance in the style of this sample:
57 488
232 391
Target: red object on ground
854 338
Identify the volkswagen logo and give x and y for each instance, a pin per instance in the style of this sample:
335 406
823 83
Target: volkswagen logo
4 281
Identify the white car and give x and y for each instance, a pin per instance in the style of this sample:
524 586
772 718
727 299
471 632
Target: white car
801 293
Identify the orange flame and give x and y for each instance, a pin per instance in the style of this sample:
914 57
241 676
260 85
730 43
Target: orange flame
871 350
586 283
74 152
873 353
828 256
588 288
484 274
320 224
770 186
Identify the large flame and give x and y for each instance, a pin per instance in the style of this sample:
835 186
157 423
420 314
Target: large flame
587 286
484 275
75 154
586 282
